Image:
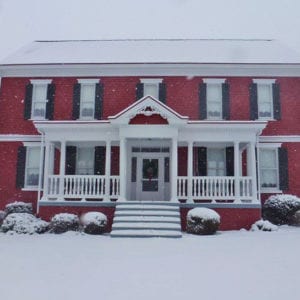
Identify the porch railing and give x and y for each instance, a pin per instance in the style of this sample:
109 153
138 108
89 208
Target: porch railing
82 186
214 188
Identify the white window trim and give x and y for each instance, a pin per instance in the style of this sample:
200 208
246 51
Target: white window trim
212 83
269 83
272 190
37 82
151 80
88 80
214 80
40 81
30 187
264 81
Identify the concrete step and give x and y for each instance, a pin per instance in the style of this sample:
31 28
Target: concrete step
146 207
160 219
146 233
145 225
140 212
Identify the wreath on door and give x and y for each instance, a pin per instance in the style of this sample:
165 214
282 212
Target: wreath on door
150 169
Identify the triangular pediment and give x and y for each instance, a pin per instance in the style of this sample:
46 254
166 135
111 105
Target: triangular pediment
148 106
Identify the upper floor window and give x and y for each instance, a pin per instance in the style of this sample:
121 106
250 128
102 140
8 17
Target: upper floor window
264 100
88 99
214 99
39 100
151 87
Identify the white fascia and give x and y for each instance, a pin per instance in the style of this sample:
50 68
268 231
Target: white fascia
40 81
151 80
269 145
32 144
88 80
214 80
263 81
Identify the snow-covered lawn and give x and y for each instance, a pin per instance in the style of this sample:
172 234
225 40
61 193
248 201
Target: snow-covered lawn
236 265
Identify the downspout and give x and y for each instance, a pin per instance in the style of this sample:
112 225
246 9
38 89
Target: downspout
41 169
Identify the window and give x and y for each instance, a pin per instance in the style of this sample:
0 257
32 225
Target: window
87 100
153 87
268 162
214 101
39 101
265 101
85 161
32 167
216 162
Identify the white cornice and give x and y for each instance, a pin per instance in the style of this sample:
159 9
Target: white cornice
158 70
280 139
19 138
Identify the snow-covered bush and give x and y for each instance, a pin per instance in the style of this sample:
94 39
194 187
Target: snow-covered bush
24 223
264 225
203 221
18 207
295 219
2 216
280 209
64 222
93 222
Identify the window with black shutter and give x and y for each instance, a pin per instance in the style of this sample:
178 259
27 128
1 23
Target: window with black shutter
151 87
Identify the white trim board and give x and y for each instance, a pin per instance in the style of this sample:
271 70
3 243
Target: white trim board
280 139
19 138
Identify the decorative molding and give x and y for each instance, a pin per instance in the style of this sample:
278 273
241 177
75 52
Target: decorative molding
40 81
214 80
263 81
32 144
269 145
88 80
148 111
19 138
279 139
151 80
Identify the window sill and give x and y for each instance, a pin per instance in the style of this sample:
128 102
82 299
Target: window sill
270 191
31 189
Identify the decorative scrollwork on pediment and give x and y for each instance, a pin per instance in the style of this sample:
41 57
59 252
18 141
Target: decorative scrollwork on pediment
148 111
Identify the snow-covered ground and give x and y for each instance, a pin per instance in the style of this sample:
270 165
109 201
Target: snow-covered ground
236 265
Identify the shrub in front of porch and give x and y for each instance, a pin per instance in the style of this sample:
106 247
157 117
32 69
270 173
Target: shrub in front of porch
94 222
2 216
281 209
18 207
263 225
64 222
24 223
202 221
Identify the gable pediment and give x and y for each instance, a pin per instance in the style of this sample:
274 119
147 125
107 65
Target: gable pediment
148 107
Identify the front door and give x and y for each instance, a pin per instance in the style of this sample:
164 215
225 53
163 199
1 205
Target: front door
150 178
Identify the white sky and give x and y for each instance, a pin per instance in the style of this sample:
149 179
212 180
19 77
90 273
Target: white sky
22 21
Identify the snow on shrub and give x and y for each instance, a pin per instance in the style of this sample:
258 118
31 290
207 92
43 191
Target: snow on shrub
24 223
18 207
202 221
263 225
280 209
64 222
93 222
295 218
2 216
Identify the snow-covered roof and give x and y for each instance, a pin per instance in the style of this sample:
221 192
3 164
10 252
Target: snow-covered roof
202 51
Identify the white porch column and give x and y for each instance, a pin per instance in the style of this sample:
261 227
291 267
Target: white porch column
107 170
251 168
62 168
46 168
174 169
123 169
190 171
237 171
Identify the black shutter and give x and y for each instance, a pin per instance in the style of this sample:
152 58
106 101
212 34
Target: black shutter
28 101
76 101
229 161
50 101
253 101
98 102
225 101
21 160
139 91
276 101
202 161
202 102
162 92
283 169
99 163
70 160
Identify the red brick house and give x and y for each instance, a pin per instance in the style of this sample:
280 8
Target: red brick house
91 125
